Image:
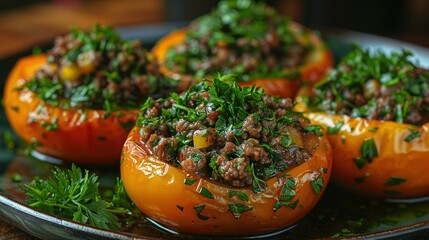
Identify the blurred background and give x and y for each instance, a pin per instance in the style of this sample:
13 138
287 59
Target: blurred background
26 23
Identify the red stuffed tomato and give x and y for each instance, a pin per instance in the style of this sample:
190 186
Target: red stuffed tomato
79 101
68 134
196 170
267 50
377 123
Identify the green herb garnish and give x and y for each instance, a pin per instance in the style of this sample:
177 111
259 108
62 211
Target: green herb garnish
368 150
316 129
75 195
16 177
238 208
232 26
362 179
190 182
317 184
335 129
91 71
199 209
394 181
180 208
206 193
231 110
413 134
373 129
360 162
364 82
241 195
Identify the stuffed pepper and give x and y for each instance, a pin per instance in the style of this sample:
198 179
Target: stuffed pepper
224 160
374 107
250 40
78 101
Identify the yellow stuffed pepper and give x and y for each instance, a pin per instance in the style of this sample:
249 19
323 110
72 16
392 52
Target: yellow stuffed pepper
374 107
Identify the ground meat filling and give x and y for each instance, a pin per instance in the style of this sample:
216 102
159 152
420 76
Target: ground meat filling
241 37
376 87
221 131
98 69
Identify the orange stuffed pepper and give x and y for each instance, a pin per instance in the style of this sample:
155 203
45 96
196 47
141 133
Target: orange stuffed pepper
375 110
225 160
249 40
78 101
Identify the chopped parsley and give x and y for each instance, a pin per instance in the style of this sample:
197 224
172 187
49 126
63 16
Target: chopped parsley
240 28
190 182
325 170
50 126
15 108
362 179
238 122
343 139
206 193
335 129
98 69
360 162
238 208
279 204
394 181
241 195
199 209
316 129
317 184
16 177
287 194
180 208
375 85
373 129
368 150
9 140
413 135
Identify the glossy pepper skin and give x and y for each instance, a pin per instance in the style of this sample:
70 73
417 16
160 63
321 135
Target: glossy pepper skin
159 190
77 135
317 62
399 171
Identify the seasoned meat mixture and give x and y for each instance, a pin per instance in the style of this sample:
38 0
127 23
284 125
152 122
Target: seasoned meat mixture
376 86
98 69
241 37
230 134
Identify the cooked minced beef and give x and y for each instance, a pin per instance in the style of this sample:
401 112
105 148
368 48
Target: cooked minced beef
241 37
98 69
230 134
376 87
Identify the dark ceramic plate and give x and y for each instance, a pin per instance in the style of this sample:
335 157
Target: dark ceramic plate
338 214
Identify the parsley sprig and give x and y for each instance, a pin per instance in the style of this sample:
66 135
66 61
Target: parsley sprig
75 195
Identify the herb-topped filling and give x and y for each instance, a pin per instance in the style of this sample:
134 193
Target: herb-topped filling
97 69
241 37
238 136
376 86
